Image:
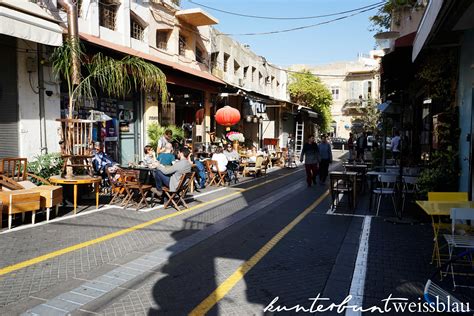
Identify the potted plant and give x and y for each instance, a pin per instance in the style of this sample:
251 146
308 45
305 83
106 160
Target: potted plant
155 131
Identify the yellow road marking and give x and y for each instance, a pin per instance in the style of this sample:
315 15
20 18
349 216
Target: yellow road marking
88 243
245 267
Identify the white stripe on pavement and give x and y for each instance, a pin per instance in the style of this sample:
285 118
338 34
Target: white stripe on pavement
360 270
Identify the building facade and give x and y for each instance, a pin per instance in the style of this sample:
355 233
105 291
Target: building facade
353 85
177 41
256 87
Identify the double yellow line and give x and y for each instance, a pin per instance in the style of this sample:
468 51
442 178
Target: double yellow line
88 243
222 290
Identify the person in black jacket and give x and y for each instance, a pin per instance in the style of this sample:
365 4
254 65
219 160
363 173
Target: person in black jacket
310 151
361 146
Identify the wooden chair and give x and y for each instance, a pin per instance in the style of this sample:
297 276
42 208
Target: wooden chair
219 176
341 183
117 186
16 169
76 146
211 175
265 164
133 186
255 169
177 197
14 176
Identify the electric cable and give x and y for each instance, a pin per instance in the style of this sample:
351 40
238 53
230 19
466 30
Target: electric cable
300 27
286 18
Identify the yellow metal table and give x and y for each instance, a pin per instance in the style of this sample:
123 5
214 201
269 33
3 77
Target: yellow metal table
78 180
436 209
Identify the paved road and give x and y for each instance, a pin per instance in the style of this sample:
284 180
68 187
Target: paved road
232 253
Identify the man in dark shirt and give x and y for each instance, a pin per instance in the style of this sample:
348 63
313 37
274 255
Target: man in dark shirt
311 153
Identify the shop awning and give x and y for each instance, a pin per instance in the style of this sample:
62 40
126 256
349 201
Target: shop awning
308 110
152 58
26 20
426 25
196 17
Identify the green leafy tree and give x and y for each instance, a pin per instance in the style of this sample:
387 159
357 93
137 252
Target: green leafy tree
368 115
115 77
383 19
308 90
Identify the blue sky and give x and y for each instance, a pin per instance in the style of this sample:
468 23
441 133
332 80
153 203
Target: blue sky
337 41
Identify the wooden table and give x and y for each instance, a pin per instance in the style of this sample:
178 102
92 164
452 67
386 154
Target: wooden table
352 175
50 196
436 209
78 180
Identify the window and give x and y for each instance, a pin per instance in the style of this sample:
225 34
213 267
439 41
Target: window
162 39
260 78
136 29
214 57
278 83
369 90
236 68
253 74
108 14
182 45
354 90
335 92
246 72
199 55
226 62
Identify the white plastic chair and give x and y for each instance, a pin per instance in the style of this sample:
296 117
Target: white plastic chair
456 240
387 187
410 187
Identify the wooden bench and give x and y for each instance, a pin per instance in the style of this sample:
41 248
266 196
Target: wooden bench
20 202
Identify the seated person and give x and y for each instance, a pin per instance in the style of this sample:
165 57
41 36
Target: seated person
166 157
221 160
101 160
169 176
231 154
149 157
252 154
233 158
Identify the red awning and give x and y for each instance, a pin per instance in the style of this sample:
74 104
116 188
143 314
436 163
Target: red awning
130 51
405 41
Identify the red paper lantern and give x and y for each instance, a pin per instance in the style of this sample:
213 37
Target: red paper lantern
227 116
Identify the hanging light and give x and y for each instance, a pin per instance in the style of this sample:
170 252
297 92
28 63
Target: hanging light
260 119
227 116
248 118
255 119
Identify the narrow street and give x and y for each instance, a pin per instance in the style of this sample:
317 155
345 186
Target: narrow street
233 252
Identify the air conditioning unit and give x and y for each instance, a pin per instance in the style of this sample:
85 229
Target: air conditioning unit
241 82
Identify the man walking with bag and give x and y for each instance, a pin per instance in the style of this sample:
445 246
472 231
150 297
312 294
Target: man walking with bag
310 151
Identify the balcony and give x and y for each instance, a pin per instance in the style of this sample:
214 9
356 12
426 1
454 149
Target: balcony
196 17
354 107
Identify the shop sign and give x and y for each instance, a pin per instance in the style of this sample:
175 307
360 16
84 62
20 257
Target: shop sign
255 107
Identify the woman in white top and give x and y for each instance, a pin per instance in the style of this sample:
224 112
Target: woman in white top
221 160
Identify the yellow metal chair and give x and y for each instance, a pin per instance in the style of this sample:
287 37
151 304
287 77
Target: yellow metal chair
437 226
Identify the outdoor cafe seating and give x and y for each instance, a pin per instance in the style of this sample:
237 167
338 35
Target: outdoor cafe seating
19 194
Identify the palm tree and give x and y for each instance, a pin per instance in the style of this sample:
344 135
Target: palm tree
115 77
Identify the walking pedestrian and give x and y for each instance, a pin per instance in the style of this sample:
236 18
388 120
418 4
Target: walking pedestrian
325 153
310 154
350 146
396 145
361 146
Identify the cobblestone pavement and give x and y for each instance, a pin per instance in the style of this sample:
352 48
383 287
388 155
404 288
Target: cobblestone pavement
317 256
